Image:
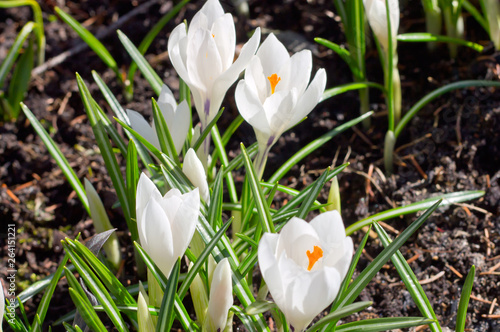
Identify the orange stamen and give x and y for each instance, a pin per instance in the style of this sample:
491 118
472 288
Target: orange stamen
273 79
213 36
314 256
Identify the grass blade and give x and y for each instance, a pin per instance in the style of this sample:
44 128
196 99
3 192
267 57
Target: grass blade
410 280
448 199
90 40
258 195
369 272
20 80
309 148
87 311
147 71
336 315
13 53
382 324
464 300
340 89
429 37
59 158
166 315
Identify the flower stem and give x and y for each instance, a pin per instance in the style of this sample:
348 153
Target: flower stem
261 160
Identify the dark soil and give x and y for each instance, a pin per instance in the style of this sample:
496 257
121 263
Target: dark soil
452 145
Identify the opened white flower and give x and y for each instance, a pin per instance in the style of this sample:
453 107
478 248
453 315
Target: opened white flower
275 96
377 17
195 172
221 297
176 116
304 265
203 57
165 224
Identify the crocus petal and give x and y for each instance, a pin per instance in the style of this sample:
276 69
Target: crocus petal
279 110
272 54
296 73
186 219
310 98
194 170
221 295
212 9
145 189
177 44
159 243
255 78
269 267
251 108
142 127
228 77
224 35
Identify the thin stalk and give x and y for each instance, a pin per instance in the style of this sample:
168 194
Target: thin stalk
261 160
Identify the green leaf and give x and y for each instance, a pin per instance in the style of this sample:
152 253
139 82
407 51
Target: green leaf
259 307
105 147
59 158
88 313
207 130
11 57
214 215
122 115
258 195
464 300
369 272
97 288
147 71
20 80
313 193
112 132
410 280
151 35
309 148
198 264
340 89
342 52
448 199
90 40
338 314
43 306
429 37
382 324
166 315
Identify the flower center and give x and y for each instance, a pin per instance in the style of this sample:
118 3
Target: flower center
314 256
273 79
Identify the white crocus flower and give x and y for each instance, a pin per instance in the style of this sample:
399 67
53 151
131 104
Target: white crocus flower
275 96
203 57
221 297
166 224
377 17
193 169
304 265
176 116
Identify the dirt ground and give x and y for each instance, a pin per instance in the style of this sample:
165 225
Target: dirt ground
452 145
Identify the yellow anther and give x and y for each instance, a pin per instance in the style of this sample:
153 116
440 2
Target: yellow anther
213 36
314 256
273 79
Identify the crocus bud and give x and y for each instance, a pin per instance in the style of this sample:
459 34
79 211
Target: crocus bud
377 17
195 172
221 297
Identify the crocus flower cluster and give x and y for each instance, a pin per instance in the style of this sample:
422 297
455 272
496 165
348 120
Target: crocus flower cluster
305 264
